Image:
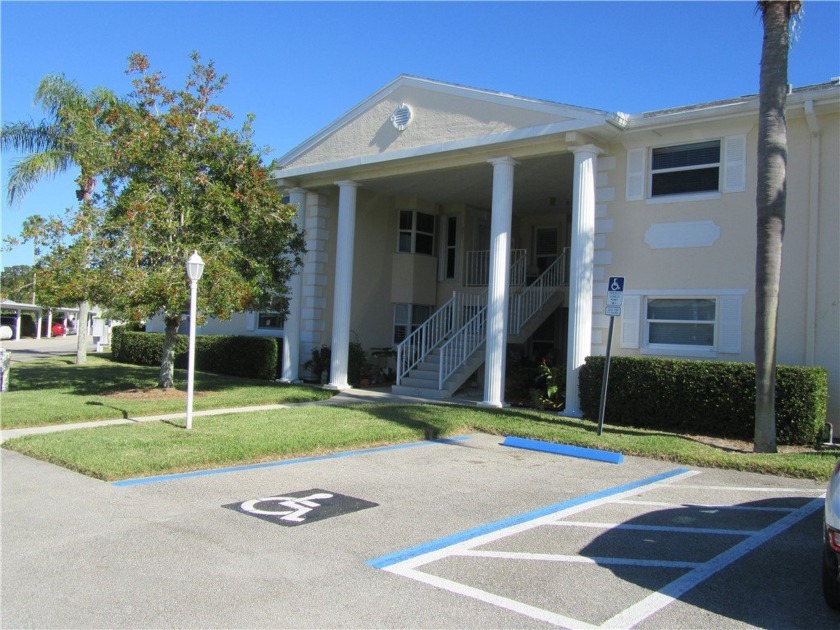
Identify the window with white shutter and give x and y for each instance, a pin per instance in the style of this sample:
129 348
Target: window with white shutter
635 174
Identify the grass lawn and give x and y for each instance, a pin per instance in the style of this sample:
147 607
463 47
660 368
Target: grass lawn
128 451
56 391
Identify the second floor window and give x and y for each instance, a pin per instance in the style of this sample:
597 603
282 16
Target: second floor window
416 233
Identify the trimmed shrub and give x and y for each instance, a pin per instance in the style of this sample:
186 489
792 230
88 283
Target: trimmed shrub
707 397
249 357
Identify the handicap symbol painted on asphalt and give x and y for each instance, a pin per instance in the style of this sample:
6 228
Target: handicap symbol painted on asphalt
297 508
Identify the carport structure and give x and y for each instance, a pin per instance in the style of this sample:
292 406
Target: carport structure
19 308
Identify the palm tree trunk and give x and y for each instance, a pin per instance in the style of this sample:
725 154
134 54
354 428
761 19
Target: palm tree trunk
167 359
770 211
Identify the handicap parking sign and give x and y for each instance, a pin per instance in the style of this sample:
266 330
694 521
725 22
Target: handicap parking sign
615 291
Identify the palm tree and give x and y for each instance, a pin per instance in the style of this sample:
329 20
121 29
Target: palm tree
74 133
777 17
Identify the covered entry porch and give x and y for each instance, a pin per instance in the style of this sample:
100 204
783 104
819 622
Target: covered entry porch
485 231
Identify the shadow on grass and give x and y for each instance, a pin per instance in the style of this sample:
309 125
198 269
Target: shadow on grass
95 403
104 378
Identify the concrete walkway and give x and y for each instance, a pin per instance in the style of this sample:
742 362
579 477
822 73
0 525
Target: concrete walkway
350 396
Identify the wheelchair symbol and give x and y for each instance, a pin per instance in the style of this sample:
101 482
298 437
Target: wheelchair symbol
296 507
616 284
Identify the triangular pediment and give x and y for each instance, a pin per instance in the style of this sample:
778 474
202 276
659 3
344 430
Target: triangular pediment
432 114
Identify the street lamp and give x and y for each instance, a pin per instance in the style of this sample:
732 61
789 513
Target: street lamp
195 267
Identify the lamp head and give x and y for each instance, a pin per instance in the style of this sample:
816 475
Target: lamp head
195 267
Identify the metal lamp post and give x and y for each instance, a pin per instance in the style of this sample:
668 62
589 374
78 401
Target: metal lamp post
195 267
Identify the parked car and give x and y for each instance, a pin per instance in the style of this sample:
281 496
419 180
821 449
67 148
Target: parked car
8 325
831 541
58 329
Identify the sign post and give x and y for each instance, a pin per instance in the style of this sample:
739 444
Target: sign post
615 298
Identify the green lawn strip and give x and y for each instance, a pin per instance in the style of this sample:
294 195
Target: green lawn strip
56 391
129 451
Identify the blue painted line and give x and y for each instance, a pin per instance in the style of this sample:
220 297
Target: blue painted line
285 462
489 528
564 449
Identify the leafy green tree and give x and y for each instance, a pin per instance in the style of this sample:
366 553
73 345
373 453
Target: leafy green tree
17 283
185 182
771 194
75 132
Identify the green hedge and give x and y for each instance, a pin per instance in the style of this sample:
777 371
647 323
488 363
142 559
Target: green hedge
250 357
705 397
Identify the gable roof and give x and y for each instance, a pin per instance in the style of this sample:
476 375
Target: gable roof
445 116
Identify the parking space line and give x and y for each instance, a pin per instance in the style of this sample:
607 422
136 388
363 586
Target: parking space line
540 614
654 603
655 528
706 506
548 557
468 545
751 489
442 547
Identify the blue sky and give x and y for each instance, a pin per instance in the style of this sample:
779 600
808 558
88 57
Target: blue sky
299 66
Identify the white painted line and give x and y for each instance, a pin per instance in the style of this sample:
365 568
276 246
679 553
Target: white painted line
707 506
654 603
657 528
533 612
486 539
745 489
547 557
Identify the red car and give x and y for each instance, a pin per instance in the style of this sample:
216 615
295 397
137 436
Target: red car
58 329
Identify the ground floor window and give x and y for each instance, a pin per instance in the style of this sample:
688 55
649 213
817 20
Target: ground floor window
675 321
408 318
270 321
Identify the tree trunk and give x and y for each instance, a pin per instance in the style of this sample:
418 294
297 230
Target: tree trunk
82 332
770 212
167 358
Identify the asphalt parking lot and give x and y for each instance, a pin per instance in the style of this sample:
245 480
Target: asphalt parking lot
464 533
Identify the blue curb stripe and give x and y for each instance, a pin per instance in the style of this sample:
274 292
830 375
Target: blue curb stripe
564 449
285 462
441 543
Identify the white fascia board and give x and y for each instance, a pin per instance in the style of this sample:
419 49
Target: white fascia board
794 101
579 114
464 145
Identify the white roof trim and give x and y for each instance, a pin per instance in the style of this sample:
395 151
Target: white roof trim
581 114
464 144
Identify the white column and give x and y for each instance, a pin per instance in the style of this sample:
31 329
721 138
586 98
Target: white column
343 284
49 324
497 286
38 321
291 328
580 277
18 322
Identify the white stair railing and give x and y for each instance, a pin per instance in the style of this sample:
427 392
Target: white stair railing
463 344
431 333
459 326
478 268
523 306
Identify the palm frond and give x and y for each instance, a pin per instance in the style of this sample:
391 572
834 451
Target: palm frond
27 137
55 92
28 171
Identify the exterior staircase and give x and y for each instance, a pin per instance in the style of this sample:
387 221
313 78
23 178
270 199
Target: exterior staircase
439 357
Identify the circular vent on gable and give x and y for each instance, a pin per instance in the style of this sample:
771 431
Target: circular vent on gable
401 117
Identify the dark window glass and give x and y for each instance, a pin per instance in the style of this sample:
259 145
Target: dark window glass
406 219
681 182
405 242
451 227
686 155
425 223
424 244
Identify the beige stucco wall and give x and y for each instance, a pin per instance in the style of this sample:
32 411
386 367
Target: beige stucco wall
729 263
